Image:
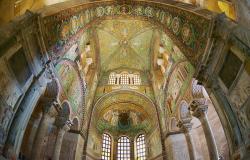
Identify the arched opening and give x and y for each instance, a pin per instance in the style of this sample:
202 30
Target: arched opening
132 115
40 127
217 129
123 148
75 124
141 147
69 140
106 147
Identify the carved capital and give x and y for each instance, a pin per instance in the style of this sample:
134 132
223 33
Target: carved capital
199 107
185 127
49 106
198 102
61 121
52 89
66 127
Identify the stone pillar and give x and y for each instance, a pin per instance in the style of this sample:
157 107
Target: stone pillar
41 132
59 139
199 108
186 128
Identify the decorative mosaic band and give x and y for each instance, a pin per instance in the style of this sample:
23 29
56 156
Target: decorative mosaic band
189 30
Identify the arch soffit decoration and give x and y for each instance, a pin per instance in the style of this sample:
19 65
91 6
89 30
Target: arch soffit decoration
169 78
124 96
186 27
172 125
121 96
173 69
79 78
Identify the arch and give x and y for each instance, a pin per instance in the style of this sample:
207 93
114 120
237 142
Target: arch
48 93
112 78
171 72
175 83
76 93
125 96
179 22
76 125
106 146
124 78
172 125
130 96
66 110
141 147
183 111
142 132
123 148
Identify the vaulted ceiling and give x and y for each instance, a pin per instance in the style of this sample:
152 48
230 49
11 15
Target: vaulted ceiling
125 44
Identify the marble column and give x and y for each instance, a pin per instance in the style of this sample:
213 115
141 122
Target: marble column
59 139
41 133
186 128
199 108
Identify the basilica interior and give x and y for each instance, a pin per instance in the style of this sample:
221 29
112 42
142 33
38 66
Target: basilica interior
125 80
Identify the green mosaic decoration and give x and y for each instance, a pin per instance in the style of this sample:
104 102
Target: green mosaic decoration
177 84
103 126
72 84
189 30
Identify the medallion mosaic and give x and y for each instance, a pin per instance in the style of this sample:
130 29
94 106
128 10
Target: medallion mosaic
181 25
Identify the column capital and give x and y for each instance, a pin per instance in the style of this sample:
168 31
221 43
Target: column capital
63 123
199 107
185 126
49 106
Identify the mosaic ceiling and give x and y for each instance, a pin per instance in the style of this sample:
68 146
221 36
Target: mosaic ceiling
125 43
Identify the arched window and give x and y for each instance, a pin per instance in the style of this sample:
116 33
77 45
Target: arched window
140 147
112 78
106 147
123 150
124 78
137 79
